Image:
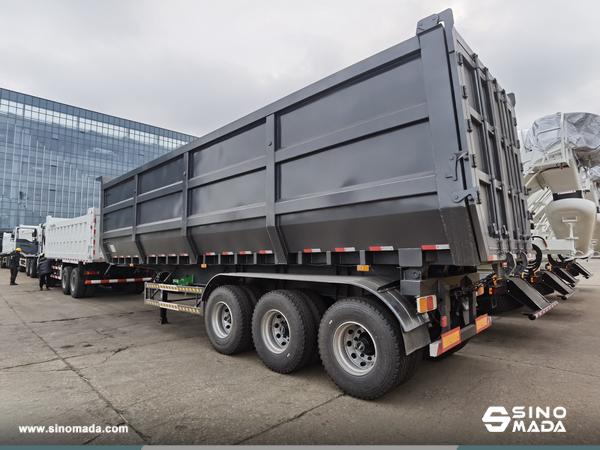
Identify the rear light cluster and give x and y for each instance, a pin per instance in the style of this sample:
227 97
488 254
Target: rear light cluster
428 303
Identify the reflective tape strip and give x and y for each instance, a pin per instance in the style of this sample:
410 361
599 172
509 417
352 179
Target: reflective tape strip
118 280
151 256
345 249
161 256
174 288
228 253
384 248
312 250
266 252
436 247
183 254
493 258
245 253
211 253
174 307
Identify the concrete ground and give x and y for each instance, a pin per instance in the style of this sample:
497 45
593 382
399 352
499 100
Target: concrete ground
105 360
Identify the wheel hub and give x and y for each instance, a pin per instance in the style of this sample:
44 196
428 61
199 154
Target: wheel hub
275 331
222 320
354 348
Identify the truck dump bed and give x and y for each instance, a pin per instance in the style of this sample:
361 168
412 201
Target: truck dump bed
413 148
74 240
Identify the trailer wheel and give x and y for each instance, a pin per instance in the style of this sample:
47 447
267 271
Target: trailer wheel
362 348
228 320
284 331
65 279
317 307
253 291
414 362
77 285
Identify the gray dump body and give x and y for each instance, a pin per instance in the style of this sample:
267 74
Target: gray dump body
411 148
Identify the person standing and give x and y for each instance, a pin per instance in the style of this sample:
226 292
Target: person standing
44 271
14 259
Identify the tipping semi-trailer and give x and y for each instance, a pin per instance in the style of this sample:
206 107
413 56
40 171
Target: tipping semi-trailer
347 220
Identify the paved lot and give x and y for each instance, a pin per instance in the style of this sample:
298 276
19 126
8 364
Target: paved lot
106 361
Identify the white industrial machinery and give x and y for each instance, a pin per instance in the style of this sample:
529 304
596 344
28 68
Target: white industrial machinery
560 154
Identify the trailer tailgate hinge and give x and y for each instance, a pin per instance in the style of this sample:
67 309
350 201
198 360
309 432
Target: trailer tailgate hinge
453 164
474 193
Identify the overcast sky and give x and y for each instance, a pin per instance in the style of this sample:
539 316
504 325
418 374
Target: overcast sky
196 65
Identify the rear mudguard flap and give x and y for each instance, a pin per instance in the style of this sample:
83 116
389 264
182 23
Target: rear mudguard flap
413 325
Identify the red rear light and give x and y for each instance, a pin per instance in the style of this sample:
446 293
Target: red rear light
444 322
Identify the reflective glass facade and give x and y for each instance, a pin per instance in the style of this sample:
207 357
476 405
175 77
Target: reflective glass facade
52 153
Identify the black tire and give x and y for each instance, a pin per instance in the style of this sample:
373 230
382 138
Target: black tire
414 362
65 279
368 367
228 320
446 354
77 286
504 303
317 308
253 292
33 270
284 331
28 267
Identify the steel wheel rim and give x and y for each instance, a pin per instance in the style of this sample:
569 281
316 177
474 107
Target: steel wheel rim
275 331
222 320
354 348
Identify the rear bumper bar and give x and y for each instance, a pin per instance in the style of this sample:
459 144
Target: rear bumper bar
438 347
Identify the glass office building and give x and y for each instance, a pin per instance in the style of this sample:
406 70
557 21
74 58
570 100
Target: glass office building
52 153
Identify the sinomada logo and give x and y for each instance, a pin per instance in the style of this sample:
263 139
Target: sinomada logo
527 419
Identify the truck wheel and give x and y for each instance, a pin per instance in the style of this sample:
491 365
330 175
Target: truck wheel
33 270
361 348
65 279
28 267
284 331
228 319
78 287
253 292
414 362
317 308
